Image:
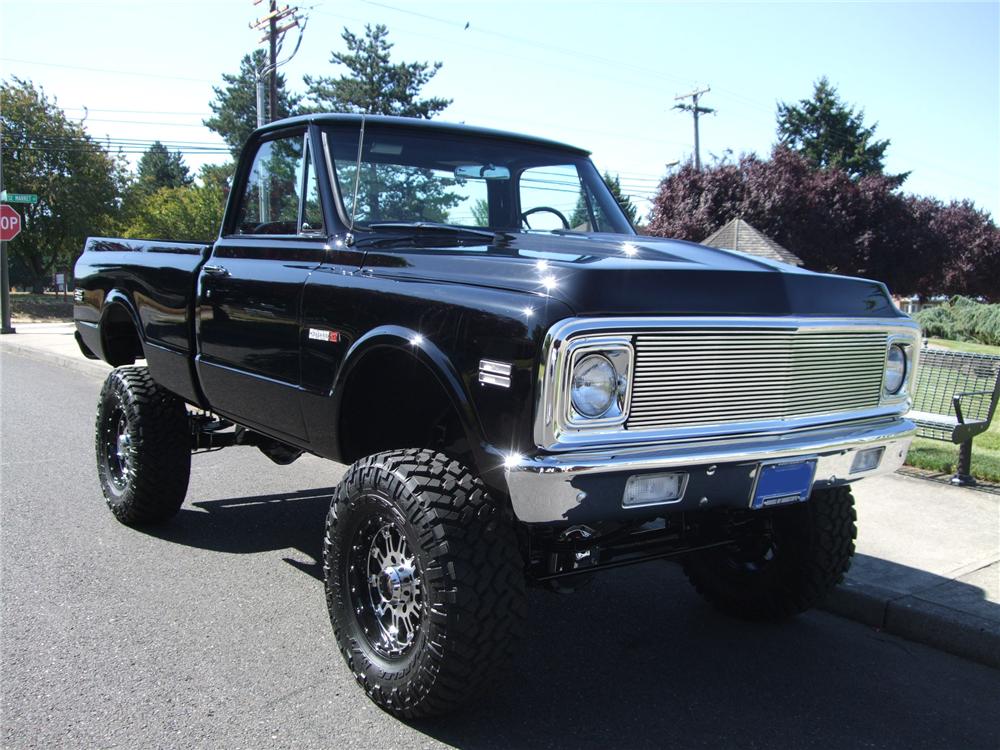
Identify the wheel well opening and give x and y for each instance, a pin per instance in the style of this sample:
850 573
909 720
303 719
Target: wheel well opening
121 342
392 400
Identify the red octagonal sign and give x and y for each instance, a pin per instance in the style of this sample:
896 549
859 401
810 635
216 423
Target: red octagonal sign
10 223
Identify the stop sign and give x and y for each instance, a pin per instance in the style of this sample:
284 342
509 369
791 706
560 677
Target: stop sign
10 222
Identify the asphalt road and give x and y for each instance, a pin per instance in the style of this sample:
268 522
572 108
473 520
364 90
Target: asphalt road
212 632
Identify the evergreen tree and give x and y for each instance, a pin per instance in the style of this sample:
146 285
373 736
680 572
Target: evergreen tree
158 168
373 84
831 134
218 175
235 105
480 213
580 216
625 202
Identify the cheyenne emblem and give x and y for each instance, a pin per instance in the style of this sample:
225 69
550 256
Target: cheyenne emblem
320 334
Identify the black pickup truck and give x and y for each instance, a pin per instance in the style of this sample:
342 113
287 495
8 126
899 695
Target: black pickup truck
527 392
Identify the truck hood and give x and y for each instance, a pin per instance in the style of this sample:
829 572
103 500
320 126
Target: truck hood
610 274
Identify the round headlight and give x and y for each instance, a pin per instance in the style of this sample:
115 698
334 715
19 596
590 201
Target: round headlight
895 369
595 385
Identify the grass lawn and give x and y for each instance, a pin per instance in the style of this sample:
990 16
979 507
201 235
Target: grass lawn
935 455
966 346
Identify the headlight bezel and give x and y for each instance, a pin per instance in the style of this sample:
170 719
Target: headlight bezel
618 351
889 386
907 345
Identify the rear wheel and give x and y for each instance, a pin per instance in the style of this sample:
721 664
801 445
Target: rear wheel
424 581
143 447
795 556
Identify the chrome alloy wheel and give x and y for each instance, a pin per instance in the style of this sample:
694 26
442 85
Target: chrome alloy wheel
386 587
118 448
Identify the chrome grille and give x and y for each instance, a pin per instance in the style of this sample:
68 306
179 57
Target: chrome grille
689 377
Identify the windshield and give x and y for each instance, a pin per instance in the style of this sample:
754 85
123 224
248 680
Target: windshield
471 180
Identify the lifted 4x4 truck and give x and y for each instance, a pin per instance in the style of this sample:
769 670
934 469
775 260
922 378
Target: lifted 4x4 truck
526 391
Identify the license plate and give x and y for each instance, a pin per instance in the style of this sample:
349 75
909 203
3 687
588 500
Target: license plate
783 483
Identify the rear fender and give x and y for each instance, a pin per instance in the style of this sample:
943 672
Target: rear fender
115 303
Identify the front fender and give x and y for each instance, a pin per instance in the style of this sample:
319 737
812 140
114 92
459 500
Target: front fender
427 353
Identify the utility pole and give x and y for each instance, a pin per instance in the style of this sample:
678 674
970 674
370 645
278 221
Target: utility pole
275 24
696 110
272 60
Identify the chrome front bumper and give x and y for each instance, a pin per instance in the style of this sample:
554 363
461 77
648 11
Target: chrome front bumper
582 487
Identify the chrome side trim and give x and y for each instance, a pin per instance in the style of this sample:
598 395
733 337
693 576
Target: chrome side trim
551 433
544 488
492 372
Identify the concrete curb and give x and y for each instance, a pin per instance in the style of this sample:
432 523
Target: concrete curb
916 619
84 366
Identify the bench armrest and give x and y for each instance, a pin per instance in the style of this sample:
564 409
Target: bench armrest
957 401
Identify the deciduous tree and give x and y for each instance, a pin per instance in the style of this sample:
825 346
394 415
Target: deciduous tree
77 181
191 214
834 223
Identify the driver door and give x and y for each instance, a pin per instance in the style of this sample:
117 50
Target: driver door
250 290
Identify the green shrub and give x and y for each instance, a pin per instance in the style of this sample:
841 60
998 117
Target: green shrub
937 322
962 319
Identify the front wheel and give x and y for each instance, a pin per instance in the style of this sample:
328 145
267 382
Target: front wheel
143 447
787 563
424 581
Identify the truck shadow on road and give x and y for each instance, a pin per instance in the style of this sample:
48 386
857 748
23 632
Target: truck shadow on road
262 523
636 659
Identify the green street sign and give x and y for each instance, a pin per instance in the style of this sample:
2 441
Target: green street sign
6 197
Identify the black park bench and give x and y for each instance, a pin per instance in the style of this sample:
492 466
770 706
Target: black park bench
955 398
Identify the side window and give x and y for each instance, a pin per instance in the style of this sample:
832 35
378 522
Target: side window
271 196
553 198
312 211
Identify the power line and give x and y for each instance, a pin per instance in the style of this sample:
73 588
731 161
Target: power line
135 111
533 43
106 70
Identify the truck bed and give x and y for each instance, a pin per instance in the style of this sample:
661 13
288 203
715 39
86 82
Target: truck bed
153 282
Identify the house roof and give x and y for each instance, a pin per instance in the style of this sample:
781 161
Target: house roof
740 236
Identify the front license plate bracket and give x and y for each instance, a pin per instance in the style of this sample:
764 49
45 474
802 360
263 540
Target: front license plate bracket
783 483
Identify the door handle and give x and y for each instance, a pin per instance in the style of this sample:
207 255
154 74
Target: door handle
216 270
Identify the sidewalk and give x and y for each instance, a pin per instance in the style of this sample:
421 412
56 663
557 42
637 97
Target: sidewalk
51 342
927 566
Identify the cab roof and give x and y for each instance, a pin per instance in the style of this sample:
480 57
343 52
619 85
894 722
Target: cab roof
439 126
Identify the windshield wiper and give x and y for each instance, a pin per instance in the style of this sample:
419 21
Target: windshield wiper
431 227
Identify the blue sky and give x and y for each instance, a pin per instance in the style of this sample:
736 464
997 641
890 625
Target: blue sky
599 75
